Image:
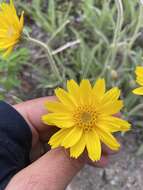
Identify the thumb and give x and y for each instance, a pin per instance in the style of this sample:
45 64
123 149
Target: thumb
52 171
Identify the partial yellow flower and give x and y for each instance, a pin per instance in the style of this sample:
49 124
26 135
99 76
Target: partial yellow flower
139 80
85 116
11 27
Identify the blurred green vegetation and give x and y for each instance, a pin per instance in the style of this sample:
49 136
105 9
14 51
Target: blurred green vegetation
111 41
10 71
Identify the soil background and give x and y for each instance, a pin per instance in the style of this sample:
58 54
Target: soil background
125 170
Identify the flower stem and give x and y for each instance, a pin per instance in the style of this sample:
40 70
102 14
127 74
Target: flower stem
109 63
135 109
49 55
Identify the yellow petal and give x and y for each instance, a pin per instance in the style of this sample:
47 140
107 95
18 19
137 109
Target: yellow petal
8 44
64 97
57 138
111 107
56 107
73 89
124 125
7 53
61 120
58 116
93 145
138 91
22 19
139 71
72 138
85 91
108 139
11 27
78 148
113 124
139 80
108 127
60 124
99 88
111 95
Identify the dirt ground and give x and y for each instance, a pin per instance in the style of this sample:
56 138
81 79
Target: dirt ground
125 171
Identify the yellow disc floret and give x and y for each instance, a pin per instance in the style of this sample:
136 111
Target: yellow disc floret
85 117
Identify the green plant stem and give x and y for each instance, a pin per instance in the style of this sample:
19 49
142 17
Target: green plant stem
49 55
138 26
134 36
118 28
120 19
114 47
58 30
135 109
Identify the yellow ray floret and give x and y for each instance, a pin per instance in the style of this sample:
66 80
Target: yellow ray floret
139 80
11 27
85 117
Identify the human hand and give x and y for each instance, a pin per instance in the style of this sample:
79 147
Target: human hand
55 169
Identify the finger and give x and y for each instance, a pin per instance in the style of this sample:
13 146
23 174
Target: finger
118 114
103 162
32 111
108 151
52 171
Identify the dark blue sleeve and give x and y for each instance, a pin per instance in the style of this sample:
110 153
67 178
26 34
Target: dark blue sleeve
15 143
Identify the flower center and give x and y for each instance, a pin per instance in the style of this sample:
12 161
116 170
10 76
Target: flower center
85 117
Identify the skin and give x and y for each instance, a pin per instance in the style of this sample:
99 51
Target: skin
55 169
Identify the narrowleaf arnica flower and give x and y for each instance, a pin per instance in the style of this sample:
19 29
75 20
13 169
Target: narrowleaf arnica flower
85 116
11 27
139 80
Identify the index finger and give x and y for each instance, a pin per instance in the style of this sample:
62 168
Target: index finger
32 111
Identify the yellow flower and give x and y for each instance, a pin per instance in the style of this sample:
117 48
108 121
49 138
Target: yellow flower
139 80
10 27
85 116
